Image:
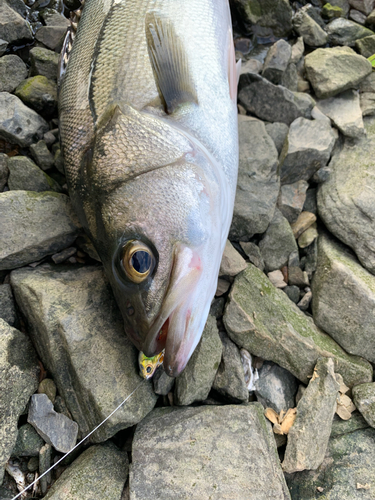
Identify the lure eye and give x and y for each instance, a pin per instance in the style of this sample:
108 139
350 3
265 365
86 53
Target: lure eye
148 369
138 261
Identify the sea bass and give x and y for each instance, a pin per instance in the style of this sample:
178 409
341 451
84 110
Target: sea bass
148 123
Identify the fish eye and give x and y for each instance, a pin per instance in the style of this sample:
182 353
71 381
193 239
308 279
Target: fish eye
138 261
148 369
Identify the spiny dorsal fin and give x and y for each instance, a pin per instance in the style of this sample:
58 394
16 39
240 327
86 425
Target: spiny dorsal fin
169 63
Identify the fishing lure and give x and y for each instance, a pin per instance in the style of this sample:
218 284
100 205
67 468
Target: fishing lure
147 366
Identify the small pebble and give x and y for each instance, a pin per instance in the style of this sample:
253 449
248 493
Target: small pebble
48 387
64 255
277 279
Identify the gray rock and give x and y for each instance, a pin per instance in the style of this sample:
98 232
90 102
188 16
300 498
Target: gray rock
346 201
367 103
53 18
304 303
7 306
277 243
344 298
25 175
251 66
277 61
12 71
311 261
371 20
357 16
4 171
276 387
34 225
51 36
228 452
276 14
258 181
364 6
43 62
162 382
42 155
347 472
217 307
44 465
230 377
39 93
261 318
296 277
292 292
344 32
273 103
61 257
332 11
3 46
290 78
28 442
340 427
316 114
368 84
232 262
310 202
194 383
47 386
277 279
309 29
306 448
253 252
18 381
13 28
19 6
366 46
78 332
278 132
291 200
315 13
342 4
18 123
100 472
307 149
345 112
333 70
297 50
364 399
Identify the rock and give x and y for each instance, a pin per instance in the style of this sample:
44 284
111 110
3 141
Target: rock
367 103
42 155
304 303
4 171
308 29
277 61
277 243
368 84
51 36
53 18
333 70
292 292
213 440
344 298
291 200
258 181
100 472
253 252
34 225
61 257
47 386
364 6
357 17
13 28
364 399
230 378
194 383
7 306
19 124
316 114
43 62
346 473
331 11
12 71
371 20
271 102
308 236
303 222
307 149
276 15
276 387
162 382
346 201
297 277
251 66
78 331
277 279
278 132
262 319
298 50
39 93
310 202
18 381
217 307
366 46
25 175
28 442
306 447
44 465
231 263
3 46
344 32
222 287
311 258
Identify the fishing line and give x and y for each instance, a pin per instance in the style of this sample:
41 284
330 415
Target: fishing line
78 444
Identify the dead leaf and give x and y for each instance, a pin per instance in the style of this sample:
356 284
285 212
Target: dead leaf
343 387
363 486
271 415
343 412
314 376
277 429
288 420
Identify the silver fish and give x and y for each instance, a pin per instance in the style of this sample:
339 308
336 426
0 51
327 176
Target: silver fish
148 123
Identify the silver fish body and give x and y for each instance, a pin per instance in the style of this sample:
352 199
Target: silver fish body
148 123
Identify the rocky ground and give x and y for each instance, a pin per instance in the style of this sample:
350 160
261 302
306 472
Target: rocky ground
278 401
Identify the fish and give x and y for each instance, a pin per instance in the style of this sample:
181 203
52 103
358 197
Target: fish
148 129
148 366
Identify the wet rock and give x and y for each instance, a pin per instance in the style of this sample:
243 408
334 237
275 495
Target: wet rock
277 279
344 298
34 225
364 6
42 155
333 70
292 292
308 236
162 382
278 132
309 29
212 440
366 46
231 263
303 222
51 36
306 448
276 14
253 252
291 200
18 381
277 243
364 399
18 123
7 306
258 181
346 201
100 472
276 387
28 442
277 61
273 103
194 383
263 320
43 62
78 332
307 149
47 386
25 175
12 71
4 171
13 28
344 32
39 93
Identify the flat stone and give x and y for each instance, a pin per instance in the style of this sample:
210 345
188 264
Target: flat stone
43 62
18 381
312 34
42 155
303 222
341 31
263 320
346 201
276 15
28 442
7 306
194 383
34 225
308 236
364 6
51 36
253 252
228 452
12 71
99 472
79 335
13 28
364 399
232 262
277 279
333 70
276 387
39 93
291 200
277 61
367 103
25 175
344 298
307 149
273 103
18 123
278 132
258 181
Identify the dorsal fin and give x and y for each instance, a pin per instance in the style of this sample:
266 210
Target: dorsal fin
169 63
